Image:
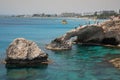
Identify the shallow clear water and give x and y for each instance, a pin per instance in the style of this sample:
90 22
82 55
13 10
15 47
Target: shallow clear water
80 63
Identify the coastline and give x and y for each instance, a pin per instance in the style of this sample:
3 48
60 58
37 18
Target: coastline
63 62
85 18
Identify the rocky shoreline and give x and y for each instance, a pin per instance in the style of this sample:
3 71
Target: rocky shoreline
106 33
25 53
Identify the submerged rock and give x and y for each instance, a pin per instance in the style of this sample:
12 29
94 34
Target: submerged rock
23 52
115 62
106 33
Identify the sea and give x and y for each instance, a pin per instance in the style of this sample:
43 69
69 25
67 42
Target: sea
80 63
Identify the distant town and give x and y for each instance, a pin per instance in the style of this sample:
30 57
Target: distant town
105 14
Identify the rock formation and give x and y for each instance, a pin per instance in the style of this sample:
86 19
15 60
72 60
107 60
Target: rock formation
23 52
106 33
59 44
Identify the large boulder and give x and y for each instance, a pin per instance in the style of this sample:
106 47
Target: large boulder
23 52
105 33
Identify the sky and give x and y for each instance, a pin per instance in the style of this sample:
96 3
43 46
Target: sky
56 6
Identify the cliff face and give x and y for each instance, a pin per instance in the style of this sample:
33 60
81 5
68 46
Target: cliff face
24 52
106 33
90 34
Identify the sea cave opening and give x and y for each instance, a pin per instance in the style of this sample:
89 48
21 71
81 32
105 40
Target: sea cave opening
110 41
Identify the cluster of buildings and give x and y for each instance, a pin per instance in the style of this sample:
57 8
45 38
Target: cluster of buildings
99 12
86 14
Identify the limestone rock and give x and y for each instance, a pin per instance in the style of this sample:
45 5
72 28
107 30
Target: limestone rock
106 33
22 51
59 44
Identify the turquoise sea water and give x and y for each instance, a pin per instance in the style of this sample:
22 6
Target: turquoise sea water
80 63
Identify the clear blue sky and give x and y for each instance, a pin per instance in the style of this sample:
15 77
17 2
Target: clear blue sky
56 6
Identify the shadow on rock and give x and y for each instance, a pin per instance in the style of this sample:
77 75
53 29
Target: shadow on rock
29 65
